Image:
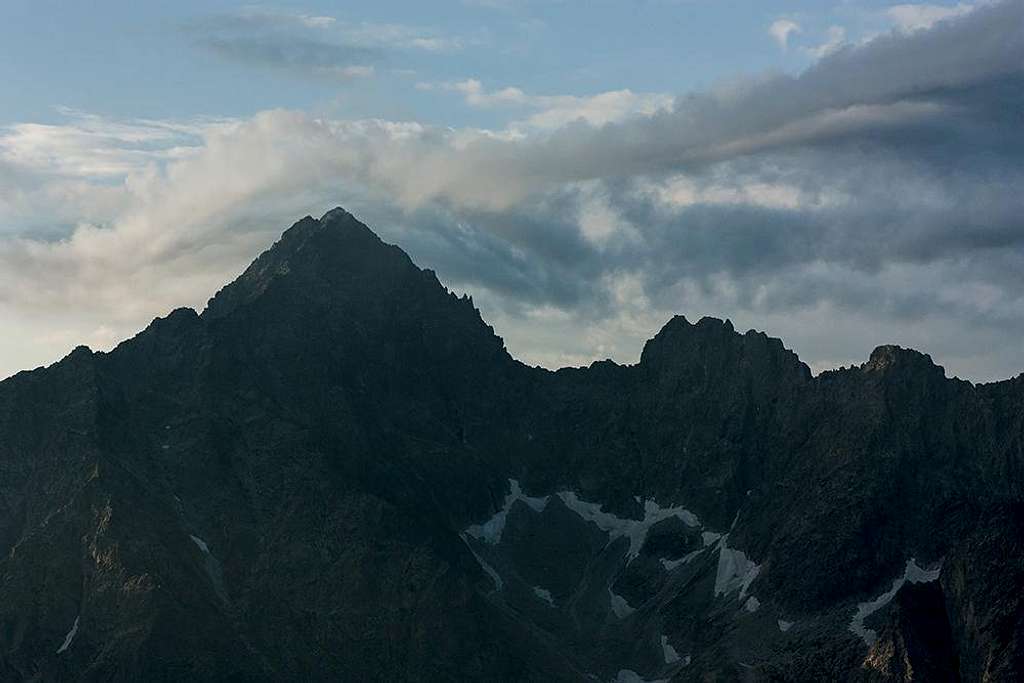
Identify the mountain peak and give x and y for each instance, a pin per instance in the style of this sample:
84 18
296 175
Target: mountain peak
892 357
679 333
337 219
320 253
684 349
337 214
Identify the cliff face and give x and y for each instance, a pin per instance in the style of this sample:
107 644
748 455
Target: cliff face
336 471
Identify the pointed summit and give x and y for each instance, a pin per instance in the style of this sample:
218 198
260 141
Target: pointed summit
335 251
333 283
337 214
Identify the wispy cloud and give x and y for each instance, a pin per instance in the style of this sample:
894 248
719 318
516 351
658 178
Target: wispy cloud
835 39
555 111
782 29
491 4
91 146
915 17
57 175
317 46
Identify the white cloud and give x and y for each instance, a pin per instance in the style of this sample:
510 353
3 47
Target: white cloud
91 146
781 29
475 95
168 235
600 109
491 4
835 38
598 219
555 111
346 72
680 192
402 36
316 21
916 17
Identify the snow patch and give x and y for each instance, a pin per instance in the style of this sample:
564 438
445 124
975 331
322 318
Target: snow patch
633 529
913 573
69 637
488 569
620 607
669 565
201 543
491 530
785 625
752 604
710 538
669 652
544 594
616 527
735 570
916 574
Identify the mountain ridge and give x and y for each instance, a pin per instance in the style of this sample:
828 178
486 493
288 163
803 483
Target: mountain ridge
324 473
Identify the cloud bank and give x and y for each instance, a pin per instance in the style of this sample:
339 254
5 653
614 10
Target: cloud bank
872 198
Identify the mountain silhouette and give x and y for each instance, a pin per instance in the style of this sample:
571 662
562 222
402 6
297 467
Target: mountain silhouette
338 472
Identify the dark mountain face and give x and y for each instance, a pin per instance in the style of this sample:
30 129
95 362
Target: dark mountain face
337 472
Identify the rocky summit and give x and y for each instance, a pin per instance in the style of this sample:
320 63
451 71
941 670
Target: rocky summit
336 472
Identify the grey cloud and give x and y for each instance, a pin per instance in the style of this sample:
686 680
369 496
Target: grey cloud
924 245
316 57
529 256
918 135
288 42
317 46
930 83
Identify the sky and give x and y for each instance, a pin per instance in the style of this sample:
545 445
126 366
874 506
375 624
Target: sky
841 174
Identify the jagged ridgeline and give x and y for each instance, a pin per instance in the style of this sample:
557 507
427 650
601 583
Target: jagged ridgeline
337 472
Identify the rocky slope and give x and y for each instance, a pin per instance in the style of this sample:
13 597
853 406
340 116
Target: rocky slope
337 472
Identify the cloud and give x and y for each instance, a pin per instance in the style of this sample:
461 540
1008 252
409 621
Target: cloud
836 37
56 176
491 4
316 21
556 111
896 88
92 146
915 17
781 29
317 46
872 198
